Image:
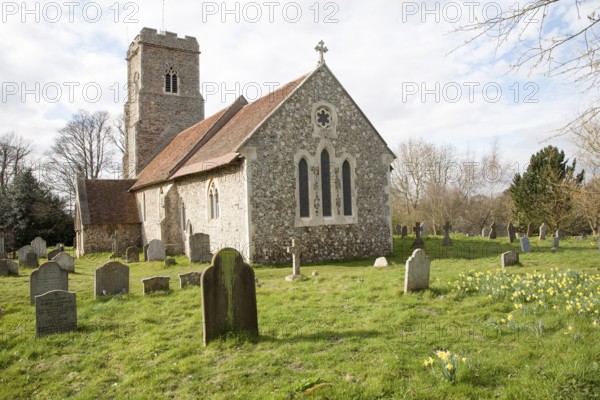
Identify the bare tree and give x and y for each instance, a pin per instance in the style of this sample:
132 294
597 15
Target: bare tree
118 134
14 151
82 149
586 136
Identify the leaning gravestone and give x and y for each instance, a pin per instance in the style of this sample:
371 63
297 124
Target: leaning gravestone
112 277
199 245
530 229
55 312
511 232
156 250
190 279
418 242
156 284
65 261
543 231
525 245
509 258
493 233
404 231
39 246
416 274
555 242
23 254
10 267
48 277
31 260
228 296
53 253
132 254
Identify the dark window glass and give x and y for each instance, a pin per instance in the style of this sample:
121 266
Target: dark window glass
326 183
303 188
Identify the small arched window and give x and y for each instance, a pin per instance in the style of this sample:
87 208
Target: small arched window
347 188
183 217
171 84
303 188
213 197
326 183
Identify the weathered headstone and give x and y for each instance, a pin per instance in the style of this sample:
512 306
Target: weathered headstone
169 262
424 230
556 242
543 231
23 254
145 251
156 250
48 277
132 254
39 246
525 245
199 245
485 232
55 312
559 234
190 279
31 260
295 250
509 258
511 232
493 233
2 244
118 248
228 296
447 228
418 242
156 284
7 267
65 261
53 253
112 277
404 231
398 229
530 229
416 274
381 262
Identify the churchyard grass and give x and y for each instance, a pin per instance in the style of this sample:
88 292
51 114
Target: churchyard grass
348 333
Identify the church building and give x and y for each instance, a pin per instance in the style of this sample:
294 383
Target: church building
302 162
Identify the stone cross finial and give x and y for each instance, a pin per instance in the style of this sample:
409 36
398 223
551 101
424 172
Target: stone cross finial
321 49
295 250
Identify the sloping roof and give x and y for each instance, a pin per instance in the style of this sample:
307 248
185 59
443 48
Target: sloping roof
214 141
103 201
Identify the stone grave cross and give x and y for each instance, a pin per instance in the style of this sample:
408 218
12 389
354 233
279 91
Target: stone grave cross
418 243
295 250
447 228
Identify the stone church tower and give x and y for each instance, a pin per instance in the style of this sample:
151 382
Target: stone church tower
163 76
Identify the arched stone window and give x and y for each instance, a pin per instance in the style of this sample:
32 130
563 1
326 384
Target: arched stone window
183 217
303 188
171 83
326 183
347 187
213 197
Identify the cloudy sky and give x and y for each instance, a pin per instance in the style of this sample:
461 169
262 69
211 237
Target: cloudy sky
392 57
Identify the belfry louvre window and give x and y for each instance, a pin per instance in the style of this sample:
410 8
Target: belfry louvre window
303 188
347 188
326 183
171 84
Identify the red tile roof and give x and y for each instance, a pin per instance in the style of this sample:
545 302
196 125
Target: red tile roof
104 201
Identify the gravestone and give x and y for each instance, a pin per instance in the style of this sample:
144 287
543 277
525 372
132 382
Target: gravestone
55 312
447 228
118 248
493 233
525 245
530 229
39 246
381 262
416 274
169 262
156 284
511 233
145 251
111 278
199 245
559 234
48 277
543 231
23 254
295 250
132 254
418 242
10 267
555 242
53 253
2 245
228 296
424 230
404 231
190 279
65 261
398 230
509 258
485 232
31 260
156 250
60 247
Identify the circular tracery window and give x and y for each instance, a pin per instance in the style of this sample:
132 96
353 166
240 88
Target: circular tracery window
323 117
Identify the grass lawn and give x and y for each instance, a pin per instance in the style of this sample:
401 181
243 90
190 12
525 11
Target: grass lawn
531 332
